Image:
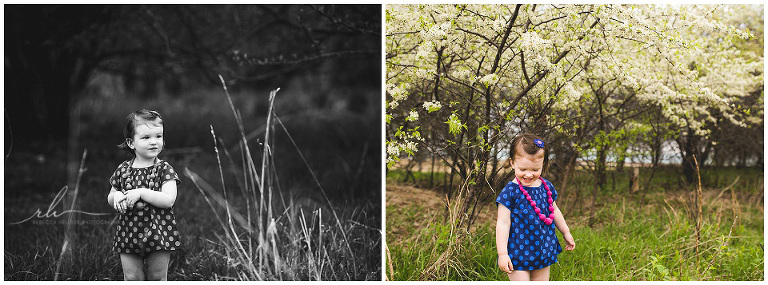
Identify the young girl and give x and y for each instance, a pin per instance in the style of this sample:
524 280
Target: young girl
143 191
525 227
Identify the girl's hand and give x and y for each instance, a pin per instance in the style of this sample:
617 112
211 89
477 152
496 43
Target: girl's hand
505 264
132 197
569 243
124 205
119 202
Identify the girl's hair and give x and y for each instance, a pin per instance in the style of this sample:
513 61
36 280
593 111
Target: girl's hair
139 117
526 142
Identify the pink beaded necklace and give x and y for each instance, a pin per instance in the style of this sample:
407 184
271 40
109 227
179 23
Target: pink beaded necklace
545 219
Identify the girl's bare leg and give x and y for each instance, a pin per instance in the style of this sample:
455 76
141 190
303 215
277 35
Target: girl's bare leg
520 275
540 274
133 267
157 265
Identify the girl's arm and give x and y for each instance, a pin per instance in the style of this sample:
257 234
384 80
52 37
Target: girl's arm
161 199
561 225
503 222
116 199
111 196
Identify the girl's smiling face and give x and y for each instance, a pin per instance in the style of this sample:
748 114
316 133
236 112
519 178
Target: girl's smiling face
147 141
528 168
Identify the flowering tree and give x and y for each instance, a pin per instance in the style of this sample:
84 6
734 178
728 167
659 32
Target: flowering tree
463 79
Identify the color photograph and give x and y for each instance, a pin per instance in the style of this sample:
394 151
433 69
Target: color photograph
574 142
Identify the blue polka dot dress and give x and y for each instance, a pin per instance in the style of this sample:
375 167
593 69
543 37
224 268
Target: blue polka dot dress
143 231
532 244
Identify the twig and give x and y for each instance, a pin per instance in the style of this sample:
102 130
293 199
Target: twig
67 231
727 188
736 206
338 221
264 159
10 132
389 262
725 243
224 188
222 202
698 214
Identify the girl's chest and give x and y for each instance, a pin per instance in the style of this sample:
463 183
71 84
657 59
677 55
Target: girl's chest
523 208
141 178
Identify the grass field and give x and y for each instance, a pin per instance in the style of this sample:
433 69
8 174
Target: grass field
301 231
629 240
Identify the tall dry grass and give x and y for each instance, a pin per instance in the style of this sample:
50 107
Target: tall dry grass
272 235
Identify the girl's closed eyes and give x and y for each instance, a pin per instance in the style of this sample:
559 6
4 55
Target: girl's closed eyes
526 243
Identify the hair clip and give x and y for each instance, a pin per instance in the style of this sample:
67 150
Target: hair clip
538 143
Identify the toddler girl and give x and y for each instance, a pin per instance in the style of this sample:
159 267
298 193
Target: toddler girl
526 243
143 191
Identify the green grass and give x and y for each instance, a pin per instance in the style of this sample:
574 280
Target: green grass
629 241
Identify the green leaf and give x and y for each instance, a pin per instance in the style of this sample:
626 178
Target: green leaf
454 124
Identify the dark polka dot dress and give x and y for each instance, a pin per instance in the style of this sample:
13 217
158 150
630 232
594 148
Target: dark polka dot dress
532 244
143 231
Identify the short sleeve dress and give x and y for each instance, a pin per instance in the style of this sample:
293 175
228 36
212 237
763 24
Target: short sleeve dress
532 244
143 231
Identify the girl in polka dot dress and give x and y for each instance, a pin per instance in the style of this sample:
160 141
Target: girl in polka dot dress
527 215
143 191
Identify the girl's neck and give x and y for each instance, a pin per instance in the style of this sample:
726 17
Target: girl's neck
139 162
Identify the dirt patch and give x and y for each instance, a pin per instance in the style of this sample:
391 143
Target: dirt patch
405 197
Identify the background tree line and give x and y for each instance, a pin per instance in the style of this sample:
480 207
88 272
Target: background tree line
170 49
601 83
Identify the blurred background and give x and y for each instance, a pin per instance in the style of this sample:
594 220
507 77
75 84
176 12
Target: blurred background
74 72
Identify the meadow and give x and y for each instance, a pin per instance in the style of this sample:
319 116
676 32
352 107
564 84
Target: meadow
321 209
646 235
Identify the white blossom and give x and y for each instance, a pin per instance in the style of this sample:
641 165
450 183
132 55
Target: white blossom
680 59
423 74
393 150
398 93
530 42
412 116
461 73
489 79
425 49
569 97
432 106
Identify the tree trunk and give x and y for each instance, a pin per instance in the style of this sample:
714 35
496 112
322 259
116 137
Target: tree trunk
600 167
647 185
43 74
569 166
621 160
656 150
688 151
432 173
634 181
445 181
593 211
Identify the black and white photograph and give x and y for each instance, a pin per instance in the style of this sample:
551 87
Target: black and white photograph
193 142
